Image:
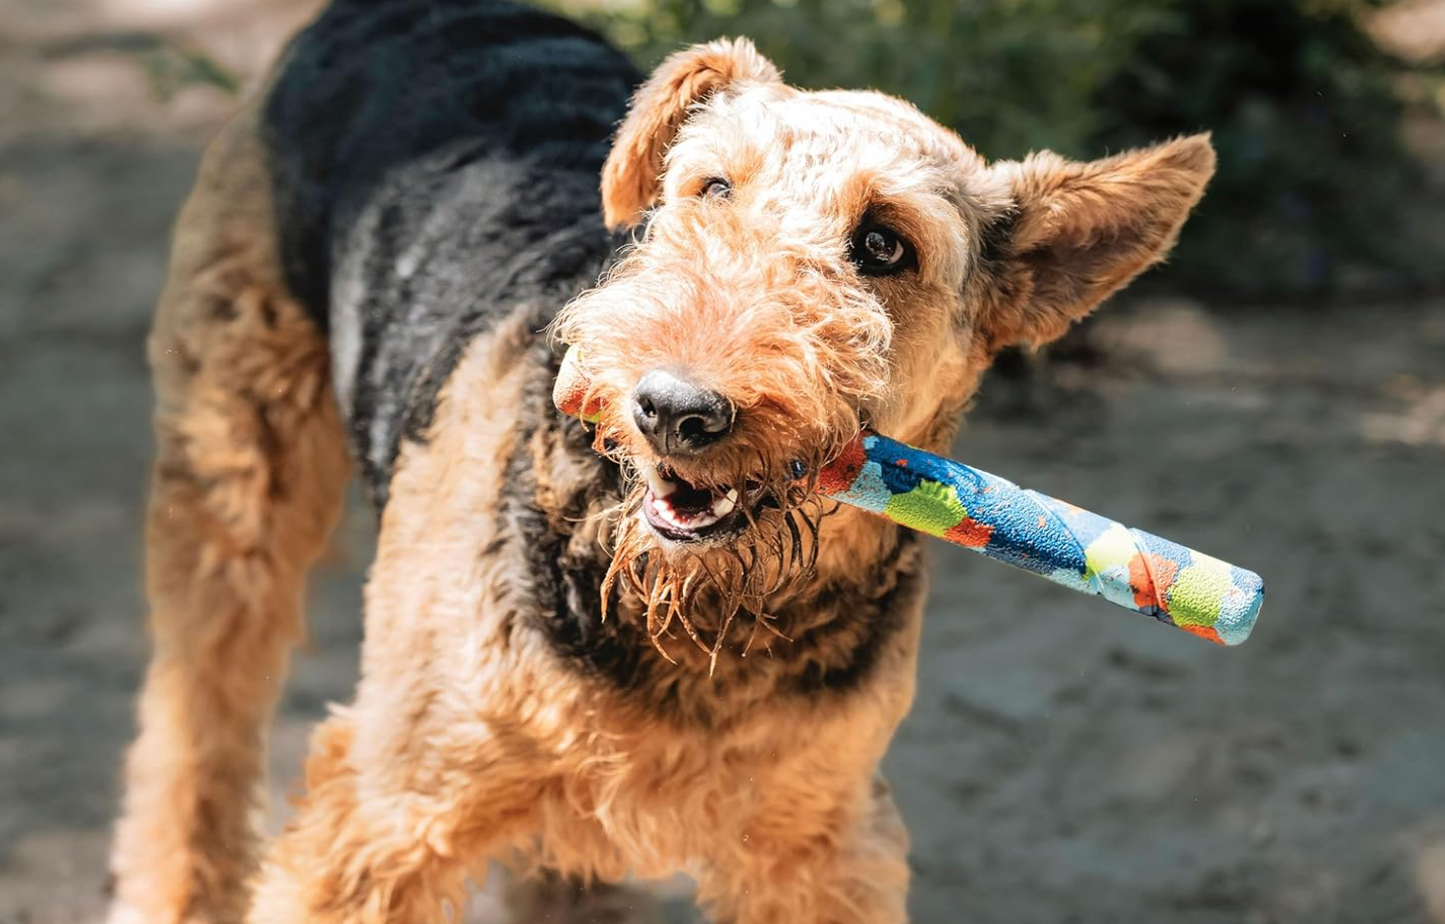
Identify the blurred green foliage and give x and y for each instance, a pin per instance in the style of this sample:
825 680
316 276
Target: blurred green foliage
1305 111
171 68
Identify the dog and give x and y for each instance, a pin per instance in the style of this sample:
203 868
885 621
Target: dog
637 647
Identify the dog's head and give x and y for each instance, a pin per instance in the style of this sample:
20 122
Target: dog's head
809 262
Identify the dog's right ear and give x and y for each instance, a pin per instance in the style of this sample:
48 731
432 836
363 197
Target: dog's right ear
631 178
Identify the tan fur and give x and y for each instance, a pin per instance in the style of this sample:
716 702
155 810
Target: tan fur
685 80
247 484
471 738
1084 230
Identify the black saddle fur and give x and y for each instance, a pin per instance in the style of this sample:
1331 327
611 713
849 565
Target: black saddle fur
435 163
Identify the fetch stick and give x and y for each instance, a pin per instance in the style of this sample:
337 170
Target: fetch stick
995 517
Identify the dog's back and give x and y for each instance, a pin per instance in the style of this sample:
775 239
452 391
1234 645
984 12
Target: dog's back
416 174
435 166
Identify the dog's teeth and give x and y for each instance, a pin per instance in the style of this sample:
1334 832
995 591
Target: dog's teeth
724 505
660 486
668 515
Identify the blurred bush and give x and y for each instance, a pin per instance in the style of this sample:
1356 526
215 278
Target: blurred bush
1313 184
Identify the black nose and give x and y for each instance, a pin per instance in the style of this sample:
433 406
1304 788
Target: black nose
678 416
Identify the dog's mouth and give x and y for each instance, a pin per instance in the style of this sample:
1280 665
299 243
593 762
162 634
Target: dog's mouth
680 511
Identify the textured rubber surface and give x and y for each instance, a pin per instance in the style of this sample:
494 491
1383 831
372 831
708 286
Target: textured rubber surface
1064 543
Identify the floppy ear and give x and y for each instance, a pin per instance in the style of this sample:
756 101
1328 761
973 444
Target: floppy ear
1080 231
630 178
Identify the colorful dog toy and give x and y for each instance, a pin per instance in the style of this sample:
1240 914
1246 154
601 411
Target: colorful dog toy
1066 544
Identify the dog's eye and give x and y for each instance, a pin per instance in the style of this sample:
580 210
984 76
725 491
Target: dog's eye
878 251
716 188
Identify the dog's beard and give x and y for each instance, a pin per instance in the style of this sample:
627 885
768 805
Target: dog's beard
710 590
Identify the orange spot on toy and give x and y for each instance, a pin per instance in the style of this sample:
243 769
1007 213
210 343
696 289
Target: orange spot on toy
1150 590
970 533
837 476
1204 632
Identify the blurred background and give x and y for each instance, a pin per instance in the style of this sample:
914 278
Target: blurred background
1275 395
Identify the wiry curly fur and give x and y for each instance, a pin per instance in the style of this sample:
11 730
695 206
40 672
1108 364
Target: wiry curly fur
544 680
675 299
714 290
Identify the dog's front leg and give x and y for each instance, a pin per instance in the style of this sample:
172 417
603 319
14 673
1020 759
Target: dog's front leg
807 856
388 830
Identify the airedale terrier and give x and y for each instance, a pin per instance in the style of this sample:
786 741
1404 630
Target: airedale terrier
636 649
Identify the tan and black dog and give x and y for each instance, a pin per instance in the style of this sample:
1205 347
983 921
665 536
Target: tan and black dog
636 649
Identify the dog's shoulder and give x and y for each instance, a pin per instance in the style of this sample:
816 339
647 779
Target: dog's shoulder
435 169
372 87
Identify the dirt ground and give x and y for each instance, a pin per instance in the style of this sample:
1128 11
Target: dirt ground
1066 762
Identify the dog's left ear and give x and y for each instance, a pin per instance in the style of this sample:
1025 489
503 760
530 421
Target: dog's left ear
1080 231
631 177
